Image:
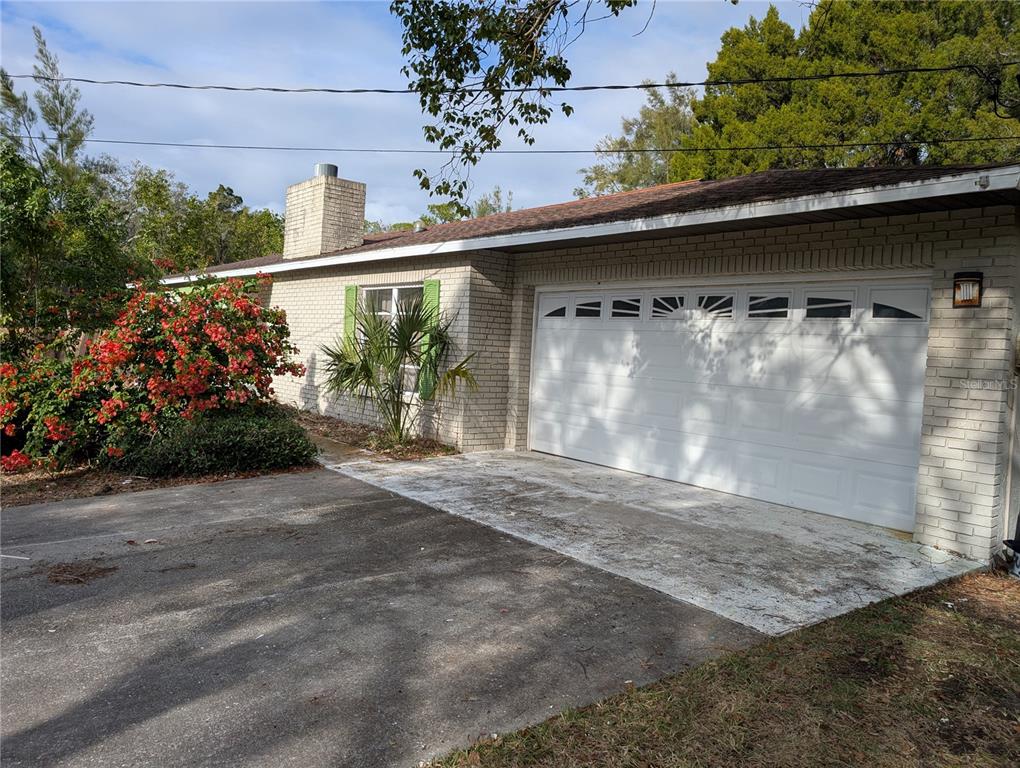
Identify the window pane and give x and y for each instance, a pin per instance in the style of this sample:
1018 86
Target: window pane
886 312
588 309
379 300
557 312
828 307
667 306
899 303
768 306
630 307
717 305
407 295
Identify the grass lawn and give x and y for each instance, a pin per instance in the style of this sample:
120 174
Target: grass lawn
927 680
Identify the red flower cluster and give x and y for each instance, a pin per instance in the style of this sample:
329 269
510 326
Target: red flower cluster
16 462
56 430
169 355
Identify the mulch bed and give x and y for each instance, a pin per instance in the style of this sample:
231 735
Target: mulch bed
930 680
370 438
40 486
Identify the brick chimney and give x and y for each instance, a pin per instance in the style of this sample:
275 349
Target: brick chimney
324 214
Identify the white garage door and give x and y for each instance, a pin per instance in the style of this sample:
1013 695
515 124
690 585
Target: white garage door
805 394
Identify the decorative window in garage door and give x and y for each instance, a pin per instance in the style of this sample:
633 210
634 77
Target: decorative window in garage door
553 306
832 305
768 305
667 306
625 306
716 305
899 303
588 308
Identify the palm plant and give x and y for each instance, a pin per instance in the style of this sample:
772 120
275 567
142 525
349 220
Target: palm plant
397 363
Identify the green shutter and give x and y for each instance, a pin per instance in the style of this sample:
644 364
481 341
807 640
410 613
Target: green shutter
430 297
350 306
430 302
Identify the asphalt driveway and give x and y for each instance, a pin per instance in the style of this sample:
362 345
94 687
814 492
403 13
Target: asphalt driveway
305 619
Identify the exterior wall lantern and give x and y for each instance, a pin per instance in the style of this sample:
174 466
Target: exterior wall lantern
967 289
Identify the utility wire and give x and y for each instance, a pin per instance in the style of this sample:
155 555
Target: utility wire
664 150
530 88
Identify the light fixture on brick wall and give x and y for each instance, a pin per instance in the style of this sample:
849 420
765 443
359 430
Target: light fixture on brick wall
967 289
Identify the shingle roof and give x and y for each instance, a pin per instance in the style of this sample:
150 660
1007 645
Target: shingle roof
677 198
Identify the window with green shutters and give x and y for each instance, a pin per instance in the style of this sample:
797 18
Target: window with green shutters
384 301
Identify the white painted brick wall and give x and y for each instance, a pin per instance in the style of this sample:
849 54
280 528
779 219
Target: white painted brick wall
962 495
961 504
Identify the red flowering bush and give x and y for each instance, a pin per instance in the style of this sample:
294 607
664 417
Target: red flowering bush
169 357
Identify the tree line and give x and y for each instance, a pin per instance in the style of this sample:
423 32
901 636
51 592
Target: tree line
891 120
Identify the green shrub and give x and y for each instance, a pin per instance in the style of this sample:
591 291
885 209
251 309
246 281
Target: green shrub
259 437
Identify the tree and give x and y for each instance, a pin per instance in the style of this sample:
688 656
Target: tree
492 202
469 61
56 155
486 204
625 161
913 110
388 358
232 232
442 213
178 231
165 221
64 267
162 221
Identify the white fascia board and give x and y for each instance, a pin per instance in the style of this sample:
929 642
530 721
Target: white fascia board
996 179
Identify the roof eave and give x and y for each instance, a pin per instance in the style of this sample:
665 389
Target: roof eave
1002 179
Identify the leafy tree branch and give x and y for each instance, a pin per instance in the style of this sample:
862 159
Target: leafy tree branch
470 61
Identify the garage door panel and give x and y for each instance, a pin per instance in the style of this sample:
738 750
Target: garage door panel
623 428
867 424
823 415
879 492
877 430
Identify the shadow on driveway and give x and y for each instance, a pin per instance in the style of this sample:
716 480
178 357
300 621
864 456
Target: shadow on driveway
307 619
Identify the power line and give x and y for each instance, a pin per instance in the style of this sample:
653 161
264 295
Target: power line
662 150
530 88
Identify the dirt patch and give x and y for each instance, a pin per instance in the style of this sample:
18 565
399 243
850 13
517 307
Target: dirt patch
77 573
41 486
370 438
930 680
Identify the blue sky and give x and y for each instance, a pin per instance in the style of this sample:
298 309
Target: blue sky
343 44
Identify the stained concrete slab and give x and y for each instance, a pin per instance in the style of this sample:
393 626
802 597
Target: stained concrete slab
307 619
763 565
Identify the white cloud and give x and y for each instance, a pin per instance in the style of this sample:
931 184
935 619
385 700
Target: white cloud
344 44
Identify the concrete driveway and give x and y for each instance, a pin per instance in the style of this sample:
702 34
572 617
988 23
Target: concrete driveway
307 619
769 567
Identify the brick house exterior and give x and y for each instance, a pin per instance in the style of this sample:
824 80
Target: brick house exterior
924 225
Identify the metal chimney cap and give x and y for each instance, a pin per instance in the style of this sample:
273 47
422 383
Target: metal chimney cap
326 169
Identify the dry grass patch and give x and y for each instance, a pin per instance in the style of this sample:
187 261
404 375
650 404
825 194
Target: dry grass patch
78 573
370 438
927 680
